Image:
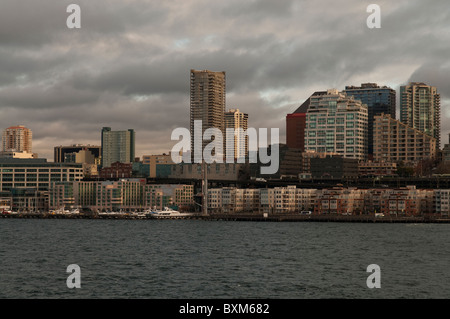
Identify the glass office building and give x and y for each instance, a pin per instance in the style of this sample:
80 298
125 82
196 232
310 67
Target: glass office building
379 100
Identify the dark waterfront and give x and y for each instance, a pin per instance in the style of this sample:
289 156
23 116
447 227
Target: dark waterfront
221 259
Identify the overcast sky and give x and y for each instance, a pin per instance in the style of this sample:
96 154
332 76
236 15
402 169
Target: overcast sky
128 65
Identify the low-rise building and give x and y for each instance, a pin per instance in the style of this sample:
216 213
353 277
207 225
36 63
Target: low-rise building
377 168
334 167
36 173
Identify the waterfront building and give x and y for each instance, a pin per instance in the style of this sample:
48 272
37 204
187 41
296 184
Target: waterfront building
228 200
28 200
233 200
278 200
117 146
395 141
291 199
161 195
85 193
337 123
61 195
341 201
420 108
207 102
378 99
17 139
36 173
128 194
407 201
234 119
215 200
442 202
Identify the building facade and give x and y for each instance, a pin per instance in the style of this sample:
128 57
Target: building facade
420 108
337 123
158 164
116 170
36 173
77 153
207 103
17 139
238 122
378 99
374 168
215 171
334 167
296 124
121 195
396 142
117 146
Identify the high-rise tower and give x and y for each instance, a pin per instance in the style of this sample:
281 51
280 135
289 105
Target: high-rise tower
207 102
337 123
17 139
379 100
420 107
235 119
117 146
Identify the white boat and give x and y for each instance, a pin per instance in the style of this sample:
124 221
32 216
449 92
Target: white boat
74 211
167 213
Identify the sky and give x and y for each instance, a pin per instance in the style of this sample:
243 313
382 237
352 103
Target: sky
128 66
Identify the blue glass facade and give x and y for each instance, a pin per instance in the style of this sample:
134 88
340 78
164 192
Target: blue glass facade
378 100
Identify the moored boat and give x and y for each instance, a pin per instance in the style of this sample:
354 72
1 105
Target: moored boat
167 213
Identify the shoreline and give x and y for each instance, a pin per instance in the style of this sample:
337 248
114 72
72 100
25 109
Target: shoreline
256 217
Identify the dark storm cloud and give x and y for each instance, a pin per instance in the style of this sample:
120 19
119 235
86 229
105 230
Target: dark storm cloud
436 75
128 66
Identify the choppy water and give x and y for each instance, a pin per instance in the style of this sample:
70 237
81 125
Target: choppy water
218 259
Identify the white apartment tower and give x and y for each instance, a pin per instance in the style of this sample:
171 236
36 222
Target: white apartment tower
235 119
420 108
337 123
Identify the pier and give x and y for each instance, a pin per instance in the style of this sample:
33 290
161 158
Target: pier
295 217
245 217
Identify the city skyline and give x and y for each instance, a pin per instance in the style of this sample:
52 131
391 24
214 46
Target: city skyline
128 66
